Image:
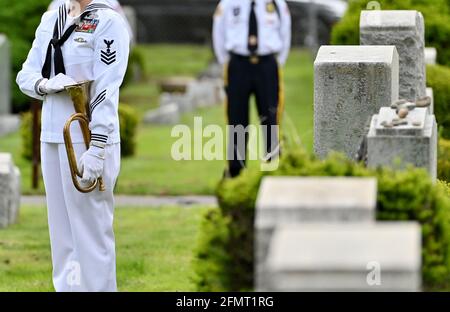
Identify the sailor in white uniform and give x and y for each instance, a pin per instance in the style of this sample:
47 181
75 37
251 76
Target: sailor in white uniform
91 43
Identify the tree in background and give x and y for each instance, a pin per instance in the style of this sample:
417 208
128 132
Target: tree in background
18 21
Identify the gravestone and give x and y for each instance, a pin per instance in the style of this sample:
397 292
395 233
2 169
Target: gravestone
8 123
206 92
295 200
413 143
168 114
213 71
406 31
9 191
175 84
345 257
184 101
430 56
130 14
351 84
5 79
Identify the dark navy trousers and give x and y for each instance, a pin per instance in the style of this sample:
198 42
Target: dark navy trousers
247 77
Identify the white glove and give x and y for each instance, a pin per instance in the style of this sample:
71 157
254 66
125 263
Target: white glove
56 84
91 164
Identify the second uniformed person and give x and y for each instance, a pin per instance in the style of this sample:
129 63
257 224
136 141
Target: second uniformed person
253 39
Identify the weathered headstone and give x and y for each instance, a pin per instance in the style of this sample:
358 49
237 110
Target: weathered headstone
9 191
5 72
184 101
351 84
214 71
414 143
130 14
430 56
168 114
9 124
345 257
175 84
206 92
295 200
406 31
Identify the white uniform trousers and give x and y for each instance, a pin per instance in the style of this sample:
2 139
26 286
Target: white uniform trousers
80 225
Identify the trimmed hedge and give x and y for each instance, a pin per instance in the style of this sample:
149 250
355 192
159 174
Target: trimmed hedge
444 160
215 234
128 119
226 264
128 130
437 23
438 78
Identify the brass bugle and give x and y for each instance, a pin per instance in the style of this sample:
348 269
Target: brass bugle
79 93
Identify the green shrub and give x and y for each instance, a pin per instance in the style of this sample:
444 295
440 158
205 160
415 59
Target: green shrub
19 20
211 252
128 128
437 23
403 195
444 160
438 78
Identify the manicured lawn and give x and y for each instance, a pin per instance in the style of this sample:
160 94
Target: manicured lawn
154 250
152 170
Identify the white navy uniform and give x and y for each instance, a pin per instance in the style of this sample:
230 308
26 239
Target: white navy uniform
81 225
253 38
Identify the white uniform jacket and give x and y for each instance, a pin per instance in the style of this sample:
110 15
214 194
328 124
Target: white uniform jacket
231 28
97 50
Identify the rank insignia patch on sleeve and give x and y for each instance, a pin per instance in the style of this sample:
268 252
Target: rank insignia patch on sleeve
107 56
87 26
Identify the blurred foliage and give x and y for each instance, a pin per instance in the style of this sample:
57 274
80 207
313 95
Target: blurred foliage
26 131
444 160
227 263
210 275
19 21
128 131
438 78
437 23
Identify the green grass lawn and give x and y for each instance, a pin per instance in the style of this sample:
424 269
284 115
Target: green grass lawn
154 250
152 170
